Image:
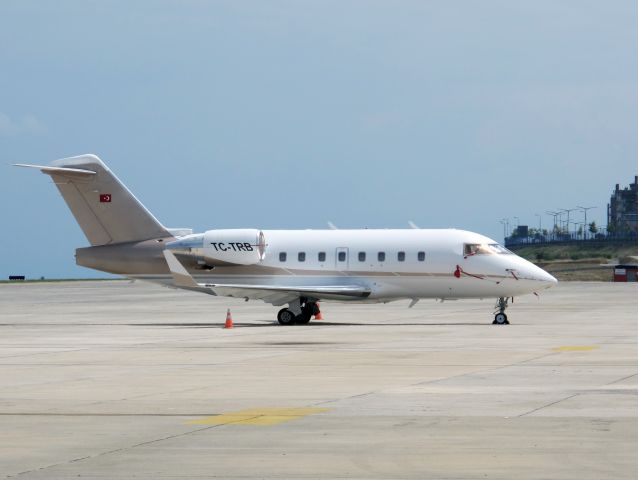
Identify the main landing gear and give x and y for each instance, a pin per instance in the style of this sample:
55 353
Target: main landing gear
500 318
299 312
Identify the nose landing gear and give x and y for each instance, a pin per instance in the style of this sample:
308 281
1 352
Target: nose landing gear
500 318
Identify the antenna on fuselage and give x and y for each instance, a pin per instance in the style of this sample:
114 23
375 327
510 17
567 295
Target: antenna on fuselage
332 226
413 225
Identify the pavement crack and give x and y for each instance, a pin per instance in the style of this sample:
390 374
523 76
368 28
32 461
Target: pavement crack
548 405
622 379
350 397
130 447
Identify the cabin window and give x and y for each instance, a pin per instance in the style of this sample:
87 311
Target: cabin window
421 256
301 256
362 256
282 256
401 256
322 256
341 256
381 256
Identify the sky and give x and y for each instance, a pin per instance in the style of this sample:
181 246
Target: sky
291 114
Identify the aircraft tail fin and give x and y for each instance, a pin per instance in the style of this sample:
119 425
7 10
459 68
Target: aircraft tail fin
104 208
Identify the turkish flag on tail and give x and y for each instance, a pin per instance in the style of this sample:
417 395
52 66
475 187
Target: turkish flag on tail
105 198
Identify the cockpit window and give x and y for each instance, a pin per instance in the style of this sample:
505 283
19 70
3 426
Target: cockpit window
500 249
475 249
484 249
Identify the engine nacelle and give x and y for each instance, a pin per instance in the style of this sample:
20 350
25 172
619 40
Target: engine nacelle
244 246
240 246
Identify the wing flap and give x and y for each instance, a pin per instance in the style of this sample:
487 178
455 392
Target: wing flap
347 290
280 294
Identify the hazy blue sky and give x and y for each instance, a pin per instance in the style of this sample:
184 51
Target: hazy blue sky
287 114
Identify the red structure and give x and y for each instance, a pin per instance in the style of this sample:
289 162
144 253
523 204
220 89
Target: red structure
625 273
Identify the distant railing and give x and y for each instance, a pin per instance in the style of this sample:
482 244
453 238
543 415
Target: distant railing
572 238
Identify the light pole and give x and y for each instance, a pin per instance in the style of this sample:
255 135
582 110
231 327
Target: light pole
568 210
553 214
584 209
540 228
505 222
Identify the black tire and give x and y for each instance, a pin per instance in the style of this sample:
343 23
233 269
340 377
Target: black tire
285 317
500 319
303 318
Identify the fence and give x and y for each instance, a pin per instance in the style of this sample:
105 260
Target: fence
593 240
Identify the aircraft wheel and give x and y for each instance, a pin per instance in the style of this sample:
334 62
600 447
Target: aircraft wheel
285 317
500 319
303 319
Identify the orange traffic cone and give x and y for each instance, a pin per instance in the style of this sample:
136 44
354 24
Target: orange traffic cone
318 316
229 320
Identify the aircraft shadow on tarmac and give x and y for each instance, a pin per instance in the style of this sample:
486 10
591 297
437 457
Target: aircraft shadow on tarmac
322 324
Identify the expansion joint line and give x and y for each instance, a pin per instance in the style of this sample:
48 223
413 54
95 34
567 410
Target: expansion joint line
123 449
548 405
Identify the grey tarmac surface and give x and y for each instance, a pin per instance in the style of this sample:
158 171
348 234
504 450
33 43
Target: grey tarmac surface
117 380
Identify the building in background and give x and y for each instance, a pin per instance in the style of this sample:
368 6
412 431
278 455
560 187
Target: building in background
622 210
625 273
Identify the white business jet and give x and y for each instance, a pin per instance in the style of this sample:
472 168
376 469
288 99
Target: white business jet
297 268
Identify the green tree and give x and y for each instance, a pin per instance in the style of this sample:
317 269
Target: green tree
593 228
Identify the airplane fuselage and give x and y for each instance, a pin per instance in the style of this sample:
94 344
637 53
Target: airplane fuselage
393 264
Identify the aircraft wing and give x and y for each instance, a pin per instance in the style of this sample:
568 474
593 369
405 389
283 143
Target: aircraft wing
274 294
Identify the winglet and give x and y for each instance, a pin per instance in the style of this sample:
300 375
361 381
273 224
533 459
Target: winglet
180 276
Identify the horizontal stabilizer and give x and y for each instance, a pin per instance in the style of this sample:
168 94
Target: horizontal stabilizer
58 170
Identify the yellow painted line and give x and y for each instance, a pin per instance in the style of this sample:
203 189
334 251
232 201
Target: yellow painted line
258 416
575 348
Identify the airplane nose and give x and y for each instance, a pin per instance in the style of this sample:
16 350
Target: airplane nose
547 278
537 274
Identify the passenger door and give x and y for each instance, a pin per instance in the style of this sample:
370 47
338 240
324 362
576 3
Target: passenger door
341 259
